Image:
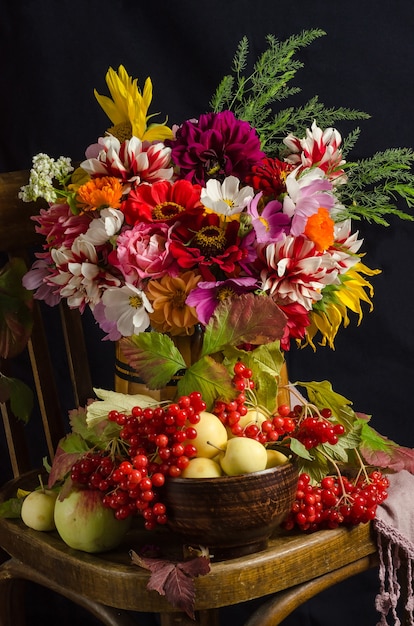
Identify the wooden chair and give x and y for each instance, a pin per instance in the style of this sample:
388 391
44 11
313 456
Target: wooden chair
291 570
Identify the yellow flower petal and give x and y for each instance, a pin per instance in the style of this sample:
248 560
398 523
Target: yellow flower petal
129 106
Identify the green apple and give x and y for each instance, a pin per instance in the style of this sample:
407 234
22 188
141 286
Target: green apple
84 523
243 456
211 435
202 467
37 510
275 458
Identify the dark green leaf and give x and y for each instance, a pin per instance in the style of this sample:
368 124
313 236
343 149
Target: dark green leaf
212 379
20 396
16 318
11 508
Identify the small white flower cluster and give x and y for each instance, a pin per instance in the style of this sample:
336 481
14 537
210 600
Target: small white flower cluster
42 175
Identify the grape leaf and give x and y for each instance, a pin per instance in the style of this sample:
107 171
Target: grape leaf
322 395
383 452
210 378
11 508
16 319
174 580
154 357
243 319
20 396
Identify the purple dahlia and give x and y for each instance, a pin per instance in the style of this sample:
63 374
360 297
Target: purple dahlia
215 146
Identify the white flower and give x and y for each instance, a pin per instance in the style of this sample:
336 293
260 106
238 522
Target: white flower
128 306
226 198
103 228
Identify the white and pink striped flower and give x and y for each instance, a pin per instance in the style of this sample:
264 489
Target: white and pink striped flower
294 271
132 160
320 148
79 278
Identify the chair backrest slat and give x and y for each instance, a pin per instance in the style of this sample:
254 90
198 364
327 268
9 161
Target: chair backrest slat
19 239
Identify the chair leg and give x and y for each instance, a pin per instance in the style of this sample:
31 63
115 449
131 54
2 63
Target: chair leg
203 618
282 604
11 600
13 574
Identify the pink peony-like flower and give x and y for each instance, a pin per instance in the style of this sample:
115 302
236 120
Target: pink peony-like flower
294 271
215 146
131 160
143 252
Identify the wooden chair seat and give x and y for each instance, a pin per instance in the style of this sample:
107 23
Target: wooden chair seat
292 569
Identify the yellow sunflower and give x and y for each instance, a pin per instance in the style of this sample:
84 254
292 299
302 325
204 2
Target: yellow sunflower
354 290
129 107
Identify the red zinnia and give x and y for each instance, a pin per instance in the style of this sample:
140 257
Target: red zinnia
161 201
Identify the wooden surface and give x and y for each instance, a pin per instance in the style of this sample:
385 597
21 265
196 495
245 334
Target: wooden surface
111 578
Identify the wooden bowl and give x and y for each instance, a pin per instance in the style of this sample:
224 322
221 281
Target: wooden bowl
231 515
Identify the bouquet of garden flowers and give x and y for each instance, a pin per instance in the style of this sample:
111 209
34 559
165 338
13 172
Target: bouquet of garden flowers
227 218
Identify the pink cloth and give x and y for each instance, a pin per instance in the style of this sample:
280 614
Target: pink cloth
394 525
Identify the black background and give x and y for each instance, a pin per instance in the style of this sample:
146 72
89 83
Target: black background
52 56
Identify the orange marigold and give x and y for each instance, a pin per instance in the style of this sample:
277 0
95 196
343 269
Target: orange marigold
98 193
320 229
168 295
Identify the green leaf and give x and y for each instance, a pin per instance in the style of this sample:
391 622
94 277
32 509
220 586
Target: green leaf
154 357
322 395
373 441
16 319
212 379
11 508
244 319
20 396
73 444
299 449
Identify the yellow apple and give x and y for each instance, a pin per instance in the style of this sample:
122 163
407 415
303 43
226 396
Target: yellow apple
275 458
243 456
211 435
253 416
201 467
38 510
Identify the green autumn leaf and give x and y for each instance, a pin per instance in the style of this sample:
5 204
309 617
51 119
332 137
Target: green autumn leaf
244 319
16 319
154 357
372 441
322 395
19 395
265 361
212 379
11 508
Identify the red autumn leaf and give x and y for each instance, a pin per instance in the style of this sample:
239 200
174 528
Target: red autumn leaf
61 465
174 580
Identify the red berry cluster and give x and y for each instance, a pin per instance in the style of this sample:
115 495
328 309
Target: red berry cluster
315 429
156 443
230 413
337 500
